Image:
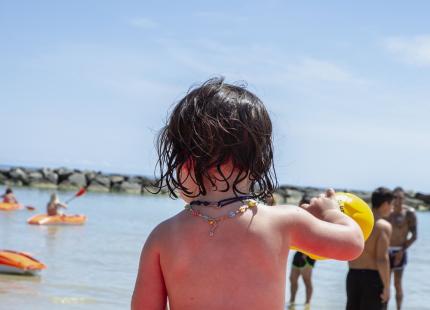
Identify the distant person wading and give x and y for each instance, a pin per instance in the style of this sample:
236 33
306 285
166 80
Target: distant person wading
404 222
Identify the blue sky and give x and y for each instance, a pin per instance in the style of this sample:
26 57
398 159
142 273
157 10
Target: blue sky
87 84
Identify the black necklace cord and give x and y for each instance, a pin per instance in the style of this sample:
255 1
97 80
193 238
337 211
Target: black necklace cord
221 203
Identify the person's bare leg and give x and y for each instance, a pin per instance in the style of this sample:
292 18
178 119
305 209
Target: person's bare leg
307 279
294 279
398 275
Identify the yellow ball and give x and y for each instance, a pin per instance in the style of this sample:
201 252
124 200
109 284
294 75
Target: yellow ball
356 209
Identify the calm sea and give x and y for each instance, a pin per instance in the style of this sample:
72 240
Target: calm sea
94 266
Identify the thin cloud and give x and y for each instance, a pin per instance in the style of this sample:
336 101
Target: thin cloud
143 23
413 50
259 64
319 70
220 17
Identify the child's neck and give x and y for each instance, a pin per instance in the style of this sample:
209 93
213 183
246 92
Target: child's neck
215 196
221 189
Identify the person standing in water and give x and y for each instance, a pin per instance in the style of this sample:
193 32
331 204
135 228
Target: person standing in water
54 204
302 265
368 279
404 222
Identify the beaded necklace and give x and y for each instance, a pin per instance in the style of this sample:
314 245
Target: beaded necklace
213 221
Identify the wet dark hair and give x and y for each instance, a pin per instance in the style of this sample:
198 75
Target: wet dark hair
381 195
9 190
213 124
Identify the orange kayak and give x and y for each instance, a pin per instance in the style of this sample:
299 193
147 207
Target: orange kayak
44 219
6 206
19 263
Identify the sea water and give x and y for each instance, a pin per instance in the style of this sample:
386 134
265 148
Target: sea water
94 266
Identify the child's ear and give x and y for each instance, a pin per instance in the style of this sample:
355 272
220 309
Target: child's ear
222 171
185 174
185 170
188 165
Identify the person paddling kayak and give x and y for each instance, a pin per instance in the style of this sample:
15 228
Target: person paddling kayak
9 197
53 205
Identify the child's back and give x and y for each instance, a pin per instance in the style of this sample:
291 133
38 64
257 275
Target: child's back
241 266
217 146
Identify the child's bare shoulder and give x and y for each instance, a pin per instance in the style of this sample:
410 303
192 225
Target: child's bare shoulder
282 212
284 209
162 232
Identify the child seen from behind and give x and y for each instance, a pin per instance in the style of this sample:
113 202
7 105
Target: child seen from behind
225 250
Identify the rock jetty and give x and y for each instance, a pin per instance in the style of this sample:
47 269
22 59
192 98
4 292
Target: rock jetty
96 181
73 179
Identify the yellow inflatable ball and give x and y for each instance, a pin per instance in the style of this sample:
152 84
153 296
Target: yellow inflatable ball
355 208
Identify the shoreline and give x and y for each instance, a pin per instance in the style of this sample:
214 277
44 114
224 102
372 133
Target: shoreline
96 181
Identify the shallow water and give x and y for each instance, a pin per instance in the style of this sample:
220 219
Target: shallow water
95 265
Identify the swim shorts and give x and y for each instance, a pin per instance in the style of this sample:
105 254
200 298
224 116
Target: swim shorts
392 253
363 290
301 260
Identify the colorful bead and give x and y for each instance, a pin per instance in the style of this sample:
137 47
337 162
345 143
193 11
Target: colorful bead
231 214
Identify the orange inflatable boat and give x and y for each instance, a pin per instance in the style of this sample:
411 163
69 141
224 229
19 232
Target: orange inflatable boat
44 219
19 263
6 206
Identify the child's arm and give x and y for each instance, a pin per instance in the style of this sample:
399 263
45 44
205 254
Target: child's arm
322 229
149 291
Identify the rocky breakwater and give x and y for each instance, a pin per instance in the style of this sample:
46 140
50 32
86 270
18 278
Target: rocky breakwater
293 194
72 179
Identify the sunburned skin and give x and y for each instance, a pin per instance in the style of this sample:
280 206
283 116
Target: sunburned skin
243 265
